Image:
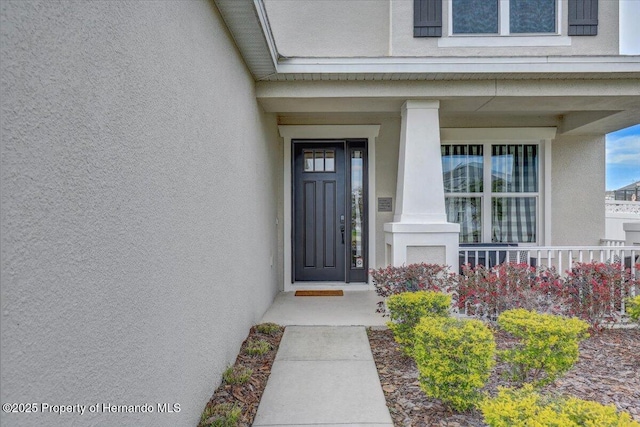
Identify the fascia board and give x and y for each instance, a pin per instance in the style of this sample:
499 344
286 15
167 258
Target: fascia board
457 65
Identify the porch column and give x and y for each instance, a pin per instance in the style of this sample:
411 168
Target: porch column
420 231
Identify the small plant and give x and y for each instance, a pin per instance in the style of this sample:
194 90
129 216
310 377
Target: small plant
454 358
268 328
407 308
257 347
220 415
410 278
548 348
633 308
236 374
525 408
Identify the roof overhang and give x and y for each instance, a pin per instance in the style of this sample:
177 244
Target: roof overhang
579 94
249 26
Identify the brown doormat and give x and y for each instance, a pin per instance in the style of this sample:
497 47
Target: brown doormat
319 293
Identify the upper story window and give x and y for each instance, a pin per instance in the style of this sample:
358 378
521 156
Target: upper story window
532 20
503 17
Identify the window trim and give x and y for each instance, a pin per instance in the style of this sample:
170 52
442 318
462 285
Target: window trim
487 136
504 38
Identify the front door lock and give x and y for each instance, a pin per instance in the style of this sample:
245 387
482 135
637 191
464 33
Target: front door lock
342 227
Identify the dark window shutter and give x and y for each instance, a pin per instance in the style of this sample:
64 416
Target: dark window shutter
583 17
427 18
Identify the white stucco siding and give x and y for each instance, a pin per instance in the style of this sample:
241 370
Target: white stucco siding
139 201
578 185
330 27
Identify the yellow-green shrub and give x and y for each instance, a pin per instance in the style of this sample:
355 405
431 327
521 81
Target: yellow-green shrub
633 308
406 310
527 408
454 358
548 347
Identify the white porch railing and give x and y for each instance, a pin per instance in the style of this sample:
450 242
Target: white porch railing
560 257
563 258
612 242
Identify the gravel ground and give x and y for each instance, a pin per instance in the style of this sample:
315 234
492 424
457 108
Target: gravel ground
608 371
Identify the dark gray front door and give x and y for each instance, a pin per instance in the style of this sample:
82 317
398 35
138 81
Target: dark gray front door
329 211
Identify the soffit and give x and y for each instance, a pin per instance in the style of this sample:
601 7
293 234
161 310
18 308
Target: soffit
249 28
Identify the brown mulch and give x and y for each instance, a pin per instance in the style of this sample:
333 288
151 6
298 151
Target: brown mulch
247 396
607 371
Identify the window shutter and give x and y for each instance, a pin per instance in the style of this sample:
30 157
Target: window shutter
427 18
583 17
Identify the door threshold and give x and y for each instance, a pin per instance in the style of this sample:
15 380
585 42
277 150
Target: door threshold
313 286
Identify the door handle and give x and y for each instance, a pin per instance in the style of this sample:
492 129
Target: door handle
342 227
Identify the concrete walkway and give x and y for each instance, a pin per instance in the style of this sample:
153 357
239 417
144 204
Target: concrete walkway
324 375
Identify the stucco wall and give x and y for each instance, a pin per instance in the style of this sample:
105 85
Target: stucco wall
330 27
578 185
139 202
355 28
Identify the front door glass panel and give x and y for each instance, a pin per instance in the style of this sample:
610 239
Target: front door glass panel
357 209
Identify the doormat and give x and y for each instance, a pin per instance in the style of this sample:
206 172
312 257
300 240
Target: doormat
319 293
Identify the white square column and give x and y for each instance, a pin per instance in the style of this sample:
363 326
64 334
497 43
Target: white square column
420 231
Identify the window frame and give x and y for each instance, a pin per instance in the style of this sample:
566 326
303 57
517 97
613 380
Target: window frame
504 29
542 137
503 38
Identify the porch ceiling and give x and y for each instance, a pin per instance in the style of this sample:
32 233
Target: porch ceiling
574 106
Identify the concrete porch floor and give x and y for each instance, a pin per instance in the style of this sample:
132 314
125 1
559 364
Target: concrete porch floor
355 308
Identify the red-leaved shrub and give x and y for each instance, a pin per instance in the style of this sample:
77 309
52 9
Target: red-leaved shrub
410 278
486 293
594 291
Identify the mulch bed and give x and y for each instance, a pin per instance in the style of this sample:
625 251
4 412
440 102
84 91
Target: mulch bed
247 396
608 371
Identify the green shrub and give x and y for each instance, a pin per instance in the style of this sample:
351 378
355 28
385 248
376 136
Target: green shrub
255 347
527 408
237 374
454 358
220 415
633 308
548 347
268 328
407 308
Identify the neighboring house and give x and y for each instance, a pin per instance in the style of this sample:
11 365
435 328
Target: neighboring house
168 167
623 207
630 193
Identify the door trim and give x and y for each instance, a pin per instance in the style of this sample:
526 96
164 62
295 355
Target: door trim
288 132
